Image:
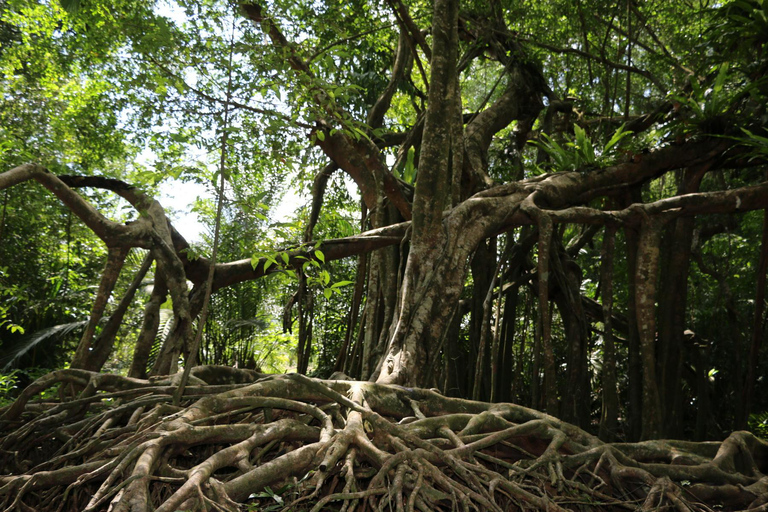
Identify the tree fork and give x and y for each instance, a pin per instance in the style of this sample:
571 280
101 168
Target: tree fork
102 347
115 259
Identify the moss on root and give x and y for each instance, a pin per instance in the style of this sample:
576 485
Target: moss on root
288 442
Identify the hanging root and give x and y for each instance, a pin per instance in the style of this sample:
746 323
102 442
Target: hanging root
294 443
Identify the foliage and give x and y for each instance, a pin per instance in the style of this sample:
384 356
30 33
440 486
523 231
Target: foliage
45 343
649 118
135 90
713 109
14 381
7 385
758 424
757 144
580 154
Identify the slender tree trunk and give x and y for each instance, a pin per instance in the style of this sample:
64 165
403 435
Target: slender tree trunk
372 315
383 284
645 303
757 331
391 279
610 397
675 261
306 307
454 355
482 265
482 363
507 374
149 327
575 398
495 366
545 318
536 364
102 347
190 358
518 394
352 315
634 363
115 259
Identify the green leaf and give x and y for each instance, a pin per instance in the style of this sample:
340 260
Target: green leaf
319 255
616 138
327 292
410 170
341 283
320 136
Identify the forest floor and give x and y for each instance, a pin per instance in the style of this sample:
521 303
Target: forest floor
239 440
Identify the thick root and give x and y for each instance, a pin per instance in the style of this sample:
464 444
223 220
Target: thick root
295 443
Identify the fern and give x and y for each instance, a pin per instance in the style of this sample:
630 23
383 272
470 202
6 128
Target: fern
580 153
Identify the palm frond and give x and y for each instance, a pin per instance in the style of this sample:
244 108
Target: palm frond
163 330
41 338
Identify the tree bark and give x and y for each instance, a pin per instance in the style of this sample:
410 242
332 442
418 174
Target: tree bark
575 396
545 316
149 327
645 303
481 265
675 264
408 352
102 347
115 259
610 397
757 331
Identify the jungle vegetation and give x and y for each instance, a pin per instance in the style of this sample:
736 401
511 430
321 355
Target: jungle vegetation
526 270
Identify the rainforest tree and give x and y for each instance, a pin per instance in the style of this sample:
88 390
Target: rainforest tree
557 253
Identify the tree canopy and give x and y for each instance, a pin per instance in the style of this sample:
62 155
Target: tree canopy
529 252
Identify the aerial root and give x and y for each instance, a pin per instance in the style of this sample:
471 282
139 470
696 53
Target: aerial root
304 444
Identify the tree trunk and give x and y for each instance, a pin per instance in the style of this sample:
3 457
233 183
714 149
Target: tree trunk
408 353
482 266
149 327
305 307
645 302
455 356
676 248
610 397
507 373
757 331
634 359
102 347
576 400
115 259
545 317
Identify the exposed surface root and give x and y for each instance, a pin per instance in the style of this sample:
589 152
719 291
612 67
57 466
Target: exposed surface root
288 442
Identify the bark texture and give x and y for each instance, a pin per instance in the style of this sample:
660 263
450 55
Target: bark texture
243 439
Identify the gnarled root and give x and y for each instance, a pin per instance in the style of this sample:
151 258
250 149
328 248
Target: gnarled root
305 444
